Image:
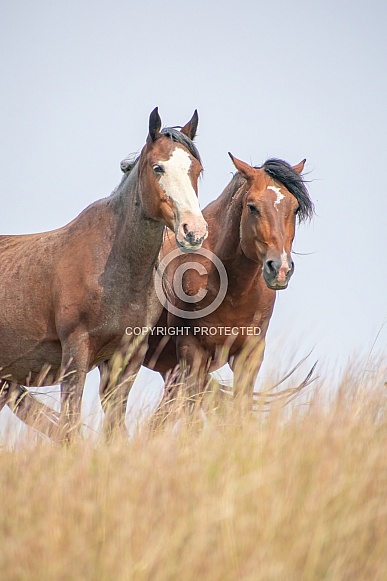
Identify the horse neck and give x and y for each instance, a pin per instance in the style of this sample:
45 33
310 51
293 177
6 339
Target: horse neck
138 238
224 221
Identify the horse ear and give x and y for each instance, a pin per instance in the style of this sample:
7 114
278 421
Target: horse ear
299 168
191 127
244 168
154 124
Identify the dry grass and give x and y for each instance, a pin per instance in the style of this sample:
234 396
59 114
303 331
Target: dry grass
281 496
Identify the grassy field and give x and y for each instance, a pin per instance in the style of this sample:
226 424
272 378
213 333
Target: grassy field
297 493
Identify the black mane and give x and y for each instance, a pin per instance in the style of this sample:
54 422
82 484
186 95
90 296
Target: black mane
177 136
283 173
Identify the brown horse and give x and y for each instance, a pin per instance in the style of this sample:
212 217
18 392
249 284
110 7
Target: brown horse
67 296
252 225
251 231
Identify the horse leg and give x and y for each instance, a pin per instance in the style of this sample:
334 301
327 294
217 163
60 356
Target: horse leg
117 378
28 409
172 385
75 364
114 400
246 365
193 361
188 378
193 365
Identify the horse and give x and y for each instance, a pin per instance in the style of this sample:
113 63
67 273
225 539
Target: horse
68 295
251 231
252 226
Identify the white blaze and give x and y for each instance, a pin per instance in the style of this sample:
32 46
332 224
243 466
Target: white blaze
176 182
279 195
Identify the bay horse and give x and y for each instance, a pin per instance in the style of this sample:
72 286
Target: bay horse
251 231
67 296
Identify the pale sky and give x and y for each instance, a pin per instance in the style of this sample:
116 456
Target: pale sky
269 79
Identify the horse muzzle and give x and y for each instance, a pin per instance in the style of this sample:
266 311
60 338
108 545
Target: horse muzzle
278 271
191 233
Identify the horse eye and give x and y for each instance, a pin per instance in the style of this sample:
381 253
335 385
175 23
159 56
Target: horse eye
253 209
158 168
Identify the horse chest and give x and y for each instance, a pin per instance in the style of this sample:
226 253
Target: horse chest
241 309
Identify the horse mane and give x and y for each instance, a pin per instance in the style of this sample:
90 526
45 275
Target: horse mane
130 161
282 172
233 188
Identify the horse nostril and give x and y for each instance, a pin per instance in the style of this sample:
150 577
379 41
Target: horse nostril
270 267
190 237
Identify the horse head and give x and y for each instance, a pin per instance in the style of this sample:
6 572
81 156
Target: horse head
170 167
274 195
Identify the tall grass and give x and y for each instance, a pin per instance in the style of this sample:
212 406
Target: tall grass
291 494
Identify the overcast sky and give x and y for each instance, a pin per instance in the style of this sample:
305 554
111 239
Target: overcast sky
269 79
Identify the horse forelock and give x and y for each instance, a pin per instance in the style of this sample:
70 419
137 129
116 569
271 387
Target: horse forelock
283 172
183 139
